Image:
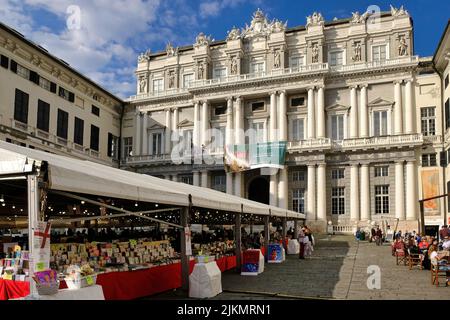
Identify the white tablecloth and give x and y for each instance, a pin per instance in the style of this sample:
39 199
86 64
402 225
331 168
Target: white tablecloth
293 247
205 281
94 292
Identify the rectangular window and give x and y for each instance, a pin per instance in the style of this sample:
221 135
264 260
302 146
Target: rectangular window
79 102
257 106
379 53
187 141
447 113
380 123
23 72
298 129
219 73
257 67
296 62
34 77
96 111
95 137
21 106
337 174
220 110
45 84
113 145
187 179
78 135
297 102
429 160
43 116
4 61
382 171
156 143
446 81
337 127
63 124
66 94
158 85
127 147
337 58
187 79
220 183
298 200
338 200
428 120
298 176
381 199
13 66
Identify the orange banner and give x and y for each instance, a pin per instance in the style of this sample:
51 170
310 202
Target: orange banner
430 188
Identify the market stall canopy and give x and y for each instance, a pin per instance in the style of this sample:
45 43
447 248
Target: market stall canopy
86 177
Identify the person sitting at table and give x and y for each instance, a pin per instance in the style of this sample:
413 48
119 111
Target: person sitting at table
423 245
397 245
446 243
436 260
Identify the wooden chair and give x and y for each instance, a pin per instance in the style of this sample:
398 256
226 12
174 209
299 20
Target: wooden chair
436 271
414 259
400 256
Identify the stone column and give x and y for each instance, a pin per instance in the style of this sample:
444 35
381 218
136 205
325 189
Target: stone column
196 132
175 131
238 184
205 180
137 139
320 112
321 192
399 191
196 178
282 119
354 193
364 113
273 190
311 114
239 129
398 112
283 196
409 108
168 136
365 193
145 150
311 192
205 124
229 183
229 128
411 194
273 117
353 113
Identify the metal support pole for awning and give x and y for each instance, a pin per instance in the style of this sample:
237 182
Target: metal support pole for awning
127 213
267 234
33 194
238 238
184 220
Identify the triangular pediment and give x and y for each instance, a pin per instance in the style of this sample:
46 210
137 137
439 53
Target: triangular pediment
156 126
337 107
379 102
185 123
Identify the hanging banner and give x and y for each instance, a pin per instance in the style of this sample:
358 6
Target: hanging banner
240 158
430 188
40 258
187 234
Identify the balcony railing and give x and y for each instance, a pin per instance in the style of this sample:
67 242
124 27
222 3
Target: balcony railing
375 64
310 145
432 139
157 94
148 158
379 142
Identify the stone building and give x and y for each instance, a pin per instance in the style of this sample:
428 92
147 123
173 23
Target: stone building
360 112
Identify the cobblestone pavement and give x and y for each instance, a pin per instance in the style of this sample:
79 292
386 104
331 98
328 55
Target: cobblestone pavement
337 270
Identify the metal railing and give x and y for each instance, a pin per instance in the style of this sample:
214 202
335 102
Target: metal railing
405 139
375 64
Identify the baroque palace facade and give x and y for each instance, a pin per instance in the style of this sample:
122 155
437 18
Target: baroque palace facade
360 112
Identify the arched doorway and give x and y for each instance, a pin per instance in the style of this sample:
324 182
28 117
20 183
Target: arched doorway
258 190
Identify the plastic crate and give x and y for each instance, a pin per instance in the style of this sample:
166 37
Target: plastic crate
74 284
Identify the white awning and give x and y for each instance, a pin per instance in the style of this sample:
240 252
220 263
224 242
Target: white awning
86 177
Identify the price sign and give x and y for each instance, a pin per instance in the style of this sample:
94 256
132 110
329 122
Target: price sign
40 266
89 280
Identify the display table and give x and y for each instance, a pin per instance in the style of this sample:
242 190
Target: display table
293 247
252 262
205 281
94 292
276 253
10 289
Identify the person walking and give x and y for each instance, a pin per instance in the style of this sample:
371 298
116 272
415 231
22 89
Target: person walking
372 234
301 241
378 236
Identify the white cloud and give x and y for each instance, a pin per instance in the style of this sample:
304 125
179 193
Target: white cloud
210 8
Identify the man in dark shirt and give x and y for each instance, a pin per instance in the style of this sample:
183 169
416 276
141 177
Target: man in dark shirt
443 232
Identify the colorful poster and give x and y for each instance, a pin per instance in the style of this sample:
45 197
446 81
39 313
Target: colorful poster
430 188
275 253
240 158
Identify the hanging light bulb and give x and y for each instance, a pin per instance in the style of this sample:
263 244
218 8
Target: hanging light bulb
2 199
3 204
156 205
136 204
83 202
13 207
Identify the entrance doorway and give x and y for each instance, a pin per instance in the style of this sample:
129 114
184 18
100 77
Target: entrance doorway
258 190
432 231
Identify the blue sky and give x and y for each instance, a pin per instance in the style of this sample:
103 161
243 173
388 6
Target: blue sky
112 33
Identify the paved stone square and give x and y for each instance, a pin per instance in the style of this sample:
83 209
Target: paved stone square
337 270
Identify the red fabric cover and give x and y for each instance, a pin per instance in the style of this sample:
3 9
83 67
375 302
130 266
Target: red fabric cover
13 289
251 256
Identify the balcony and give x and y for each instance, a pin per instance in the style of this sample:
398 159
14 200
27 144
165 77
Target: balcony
384 142
149 159
309 145
432 139
159 94
376 64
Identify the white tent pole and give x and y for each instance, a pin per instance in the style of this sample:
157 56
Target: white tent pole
33 218
137 214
